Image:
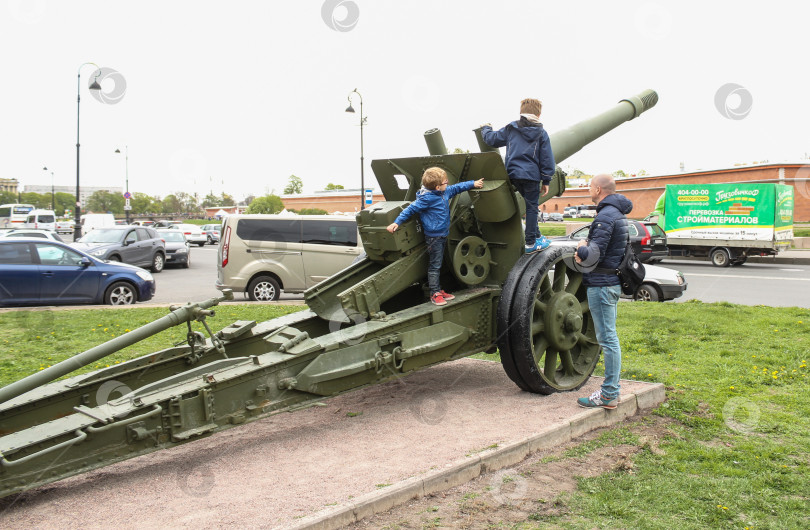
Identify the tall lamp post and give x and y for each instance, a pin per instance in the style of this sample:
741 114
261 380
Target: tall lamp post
53 202
362 122
77 227
127 207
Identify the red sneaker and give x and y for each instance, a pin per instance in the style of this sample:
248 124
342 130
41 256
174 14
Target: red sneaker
438 299
446 296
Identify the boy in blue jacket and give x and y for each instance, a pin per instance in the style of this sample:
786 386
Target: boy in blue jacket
433 206
529 162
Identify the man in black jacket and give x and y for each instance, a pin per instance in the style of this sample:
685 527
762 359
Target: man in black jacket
607 239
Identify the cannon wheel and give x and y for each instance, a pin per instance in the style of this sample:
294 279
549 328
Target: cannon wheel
551 338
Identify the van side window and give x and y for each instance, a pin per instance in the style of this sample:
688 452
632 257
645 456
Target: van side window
342 233
281 230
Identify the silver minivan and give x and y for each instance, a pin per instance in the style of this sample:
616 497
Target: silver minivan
262 255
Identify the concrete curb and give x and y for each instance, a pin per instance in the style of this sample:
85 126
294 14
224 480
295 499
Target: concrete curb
458 473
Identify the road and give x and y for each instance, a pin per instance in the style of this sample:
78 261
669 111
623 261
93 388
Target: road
749 284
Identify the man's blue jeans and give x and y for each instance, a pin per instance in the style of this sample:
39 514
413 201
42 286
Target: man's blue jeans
603 303
530 191
435 248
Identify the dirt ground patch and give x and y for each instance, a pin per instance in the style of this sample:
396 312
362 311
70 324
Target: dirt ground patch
529 492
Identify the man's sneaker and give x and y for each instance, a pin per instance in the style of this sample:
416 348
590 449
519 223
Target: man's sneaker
596 400
438 299
541 243
446 296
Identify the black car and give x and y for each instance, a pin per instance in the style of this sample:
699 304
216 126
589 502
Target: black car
136 245
649 240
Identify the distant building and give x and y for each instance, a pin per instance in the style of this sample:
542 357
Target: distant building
227 210
9 185
84 191
332 201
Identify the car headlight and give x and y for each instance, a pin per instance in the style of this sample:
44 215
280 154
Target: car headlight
681 279
145 275
181 250
99 252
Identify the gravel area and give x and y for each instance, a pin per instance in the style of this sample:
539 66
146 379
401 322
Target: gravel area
275 471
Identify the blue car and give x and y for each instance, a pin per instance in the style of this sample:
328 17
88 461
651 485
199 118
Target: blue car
40 272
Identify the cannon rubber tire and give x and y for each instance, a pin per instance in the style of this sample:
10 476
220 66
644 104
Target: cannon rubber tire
720 257
265 285
551 322
503 320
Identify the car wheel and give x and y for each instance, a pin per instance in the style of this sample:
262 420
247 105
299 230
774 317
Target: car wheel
647 292
158 262
720 257
210 240
187 263
201 244
120 293
264 289
114 258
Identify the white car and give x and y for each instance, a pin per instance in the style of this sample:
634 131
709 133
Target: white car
660 284
194 234
32 232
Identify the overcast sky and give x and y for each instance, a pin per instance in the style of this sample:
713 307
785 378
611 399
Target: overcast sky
237 96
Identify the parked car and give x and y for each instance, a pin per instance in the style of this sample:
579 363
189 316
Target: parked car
30 232
178 249
660 284
212 232
65 227
136 245
554 217
194 233
38 272
649 240
262 255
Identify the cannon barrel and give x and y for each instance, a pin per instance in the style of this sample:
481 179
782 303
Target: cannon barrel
179 315
568 141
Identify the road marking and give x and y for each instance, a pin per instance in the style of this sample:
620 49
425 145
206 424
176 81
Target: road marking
791 270
746 277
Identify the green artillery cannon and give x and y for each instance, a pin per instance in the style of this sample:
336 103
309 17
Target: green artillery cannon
369 323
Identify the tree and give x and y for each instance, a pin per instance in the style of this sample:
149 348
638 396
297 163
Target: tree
619 174
227 200
210 201
266 204
6 197
142 203
171 205
64 201
295 186
249 199
331 186
576 173
104 201
312 211
459 151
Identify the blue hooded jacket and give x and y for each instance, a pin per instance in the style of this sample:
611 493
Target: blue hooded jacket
608 236
528 150
433 207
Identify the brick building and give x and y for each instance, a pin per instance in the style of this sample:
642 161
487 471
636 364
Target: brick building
645 191
332 201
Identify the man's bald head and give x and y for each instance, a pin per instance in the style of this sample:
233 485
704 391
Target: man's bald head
601 186
606 182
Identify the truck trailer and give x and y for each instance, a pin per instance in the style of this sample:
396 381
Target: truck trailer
726 222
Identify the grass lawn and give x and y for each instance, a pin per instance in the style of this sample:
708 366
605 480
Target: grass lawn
736 445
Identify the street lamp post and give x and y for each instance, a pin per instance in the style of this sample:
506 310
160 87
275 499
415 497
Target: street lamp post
77 227
127 207
362 122
53 202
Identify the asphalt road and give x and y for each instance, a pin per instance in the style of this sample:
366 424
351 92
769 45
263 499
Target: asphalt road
749 284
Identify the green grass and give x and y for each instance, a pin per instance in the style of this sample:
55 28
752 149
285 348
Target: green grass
734 455
801 232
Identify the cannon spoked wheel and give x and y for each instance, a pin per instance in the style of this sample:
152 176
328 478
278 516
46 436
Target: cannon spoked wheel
551 338
471 260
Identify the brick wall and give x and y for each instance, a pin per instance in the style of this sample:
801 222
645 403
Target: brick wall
645 191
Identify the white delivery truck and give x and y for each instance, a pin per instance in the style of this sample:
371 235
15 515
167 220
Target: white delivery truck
726 222
91 221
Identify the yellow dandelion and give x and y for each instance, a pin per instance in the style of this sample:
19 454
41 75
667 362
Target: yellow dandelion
725 507
649 375
731 387
105 329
